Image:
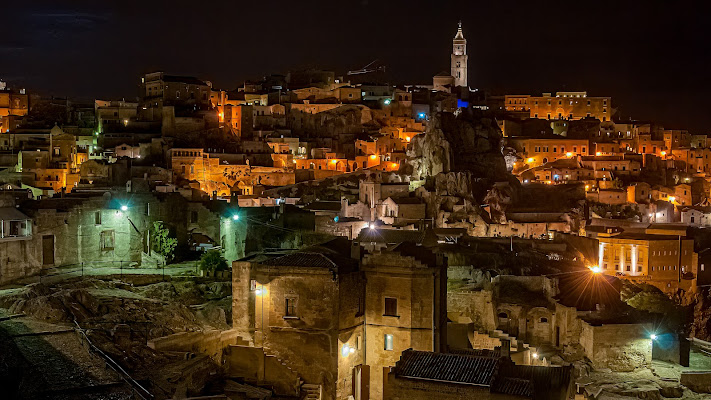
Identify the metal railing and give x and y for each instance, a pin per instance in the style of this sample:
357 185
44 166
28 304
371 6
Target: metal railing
136 387
79 269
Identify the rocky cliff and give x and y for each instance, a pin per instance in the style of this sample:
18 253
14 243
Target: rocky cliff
469 141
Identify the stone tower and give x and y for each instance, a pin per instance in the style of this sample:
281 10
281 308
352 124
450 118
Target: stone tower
459 58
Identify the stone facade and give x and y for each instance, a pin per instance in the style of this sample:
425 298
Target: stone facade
344 322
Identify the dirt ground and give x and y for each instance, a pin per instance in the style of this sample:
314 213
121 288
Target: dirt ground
38 321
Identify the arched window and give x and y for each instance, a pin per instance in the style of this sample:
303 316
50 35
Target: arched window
503 315
543 320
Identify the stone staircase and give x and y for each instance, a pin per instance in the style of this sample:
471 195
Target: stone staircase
310 392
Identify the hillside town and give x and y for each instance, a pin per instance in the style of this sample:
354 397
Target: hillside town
314 235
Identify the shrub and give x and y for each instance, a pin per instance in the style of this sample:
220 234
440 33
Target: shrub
213 261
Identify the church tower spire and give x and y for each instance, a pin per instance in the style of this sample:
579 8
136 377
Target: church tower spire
459 58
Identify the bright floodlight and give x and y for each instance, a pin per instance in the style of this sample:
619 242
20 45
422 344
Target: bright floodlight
535 355
372 226
387 101
653 336
124 208
235 217
595 269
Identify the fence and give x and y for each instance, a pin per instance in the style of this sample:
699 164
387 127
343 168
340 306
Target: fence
79 269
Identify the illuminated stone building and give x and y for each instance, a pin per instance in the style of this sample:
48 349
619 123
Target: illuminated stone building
541 151
658 256
13 103
339 318
110 114
564 105
676 138
159 89
459 58
220 173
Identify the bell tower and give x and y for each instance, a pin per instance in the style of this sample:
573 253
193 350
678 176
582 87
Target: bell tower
459 58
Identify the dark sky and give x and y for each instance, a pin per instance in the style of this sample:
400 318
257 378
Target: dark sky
652 57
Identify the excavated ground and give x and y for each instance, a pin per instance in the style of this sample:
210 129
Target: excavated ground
39 342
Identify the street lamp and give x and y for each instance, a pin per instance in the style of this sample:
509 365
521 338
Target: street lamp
653 336
235 217
595 269
124 208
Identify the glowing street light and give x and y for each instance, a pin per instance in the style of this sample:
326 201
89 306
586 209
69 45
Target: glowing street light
568 154
530 160
235 217
672 199
347 350
535 355
387 102
599 153
653 336
663 153
595 269
124 208
371 226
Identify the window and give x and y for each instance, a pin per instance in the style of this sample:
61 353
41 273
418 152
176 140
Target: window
193 217
543 320
97 218
388 342
106 240
357 342
290 307
390 307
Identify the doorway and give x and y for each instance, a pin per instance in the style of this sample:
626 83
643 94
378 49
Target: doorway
48 250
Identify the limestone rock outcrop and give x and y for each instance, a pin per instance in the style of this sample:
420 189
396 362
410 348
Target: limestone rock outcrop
469 142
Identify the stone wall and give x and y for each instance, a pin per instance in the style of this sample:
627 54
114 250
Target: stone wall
256 367
478 306
212 342
619 347
19 257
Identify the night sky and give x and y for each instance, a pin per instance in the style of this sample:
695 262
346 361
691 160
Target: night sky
652 57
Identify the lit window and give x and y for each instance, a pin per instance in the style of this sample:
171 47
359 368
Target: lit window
388 342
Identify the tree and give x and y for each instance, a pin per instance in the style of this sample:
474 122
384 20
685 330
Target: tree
213 261
163 244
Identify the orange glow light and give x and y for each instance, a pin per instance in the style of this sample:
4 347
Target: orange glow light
664 153
373 157
568 154
599 153
395 165
407 138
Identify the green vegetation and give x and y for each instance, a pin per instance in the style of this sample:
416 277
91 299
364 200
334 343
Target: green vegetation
212 261
163 243
616 211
